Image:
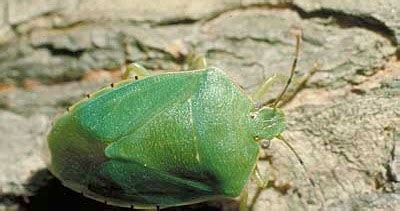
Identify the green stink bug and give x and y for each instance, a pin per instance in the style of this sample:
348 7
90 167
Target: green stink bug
164 140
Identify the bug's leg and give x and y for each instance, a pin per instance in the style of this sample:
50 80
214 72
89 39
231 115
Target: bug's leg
243 200
195 61
262 90
299 84
135 68
281 100
262 183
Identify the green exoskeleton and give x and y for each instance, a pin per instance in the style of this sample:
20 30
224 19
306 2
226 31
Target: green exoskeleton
164 140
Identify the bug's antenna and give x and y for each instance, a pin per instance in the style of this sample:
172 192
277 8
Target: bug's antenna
292 71
310 180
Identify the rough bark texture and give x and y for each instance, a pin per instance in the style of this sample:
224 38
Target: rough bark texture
344 123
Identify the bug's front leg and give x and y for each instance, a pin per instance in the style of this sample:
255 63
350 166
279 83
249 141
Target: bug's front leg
263 89
299 84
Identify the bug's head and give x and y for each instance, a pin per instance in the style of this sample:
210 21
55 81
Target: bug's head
267 123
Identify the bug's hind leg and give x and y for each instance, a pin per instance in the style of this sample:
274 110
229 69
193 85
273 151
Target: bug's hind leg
136 69
195 61
243 200
156 208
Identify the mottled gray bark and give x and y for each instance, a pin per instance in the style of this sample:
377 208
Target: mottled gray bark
343 123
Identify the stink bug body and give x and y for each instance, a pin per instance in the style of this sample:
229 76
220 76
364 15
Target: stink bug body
161 141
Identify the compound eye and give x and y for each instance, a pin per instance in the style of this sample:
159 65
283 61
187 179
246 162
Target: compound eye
265 144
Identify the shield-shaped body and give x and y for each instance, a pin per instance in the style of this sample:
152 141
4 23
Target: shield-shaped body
166 140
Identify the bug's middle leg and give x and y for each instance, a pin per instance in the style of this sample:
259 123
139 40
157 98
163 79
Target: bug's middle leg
261 181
